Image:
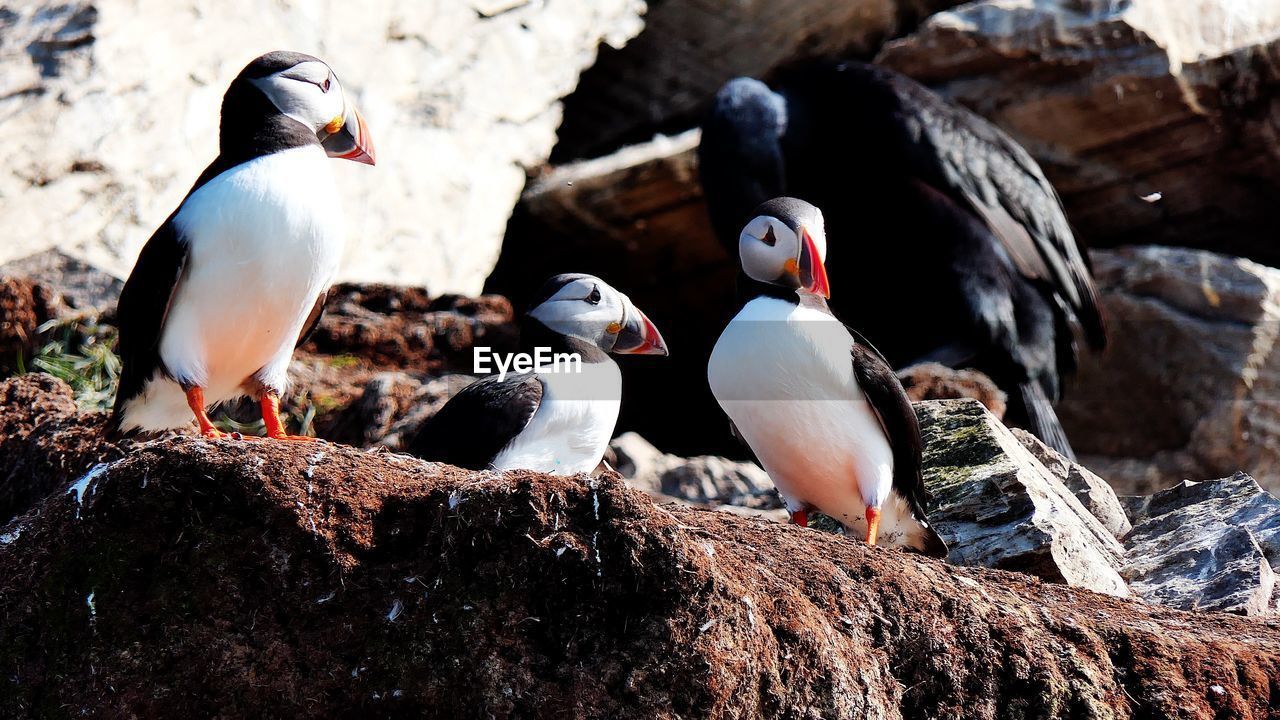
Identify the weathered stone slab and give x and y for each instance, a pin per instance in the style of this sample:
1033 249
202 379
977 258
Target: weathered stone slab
996 505
1092 491
1207 545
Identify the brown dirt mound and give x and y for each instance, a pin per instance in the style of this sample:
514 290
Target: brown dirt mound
404 328
45 441
234 578
23 307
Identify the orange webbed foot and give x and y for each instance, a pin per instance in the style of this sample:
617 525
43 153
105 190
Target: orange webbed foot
270 404
801 518
873 524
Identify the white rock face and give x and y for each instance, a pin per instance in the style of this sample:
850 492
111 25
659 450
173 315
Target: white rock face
111 109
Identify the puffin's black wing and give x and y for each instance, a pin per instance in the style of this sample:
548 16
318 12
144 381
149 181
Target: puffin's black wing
887 397
477 423
313 320
973 161
141 312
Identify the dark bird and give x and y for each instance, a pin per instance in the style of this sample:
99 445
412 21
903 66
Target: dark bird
953 247
236 277
821 409
557 417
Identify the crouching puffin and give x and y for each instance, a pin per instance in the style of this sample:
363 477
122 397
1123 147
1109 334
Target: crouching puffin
236 277
820 408
559 417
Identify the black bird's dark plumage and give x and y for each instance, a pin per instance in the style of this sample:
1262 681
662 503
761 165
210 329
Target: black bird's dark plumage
947 243
251 127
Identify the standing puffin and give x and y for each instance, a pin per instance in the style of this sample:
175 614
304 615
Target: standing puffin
553 419
820 408
236 277
954 247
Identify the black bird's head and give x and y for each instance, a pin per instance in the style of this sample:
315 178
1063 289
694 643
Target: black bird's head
785 244
584 307
305 90
740 157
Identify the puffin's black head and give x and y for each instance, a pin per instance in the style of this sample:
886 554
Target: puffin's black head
589 309
740 158
786 244
303 89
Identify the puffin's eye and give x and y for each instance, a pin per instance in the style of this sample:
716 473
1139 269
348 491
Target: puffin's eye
769 238
324 86
594 297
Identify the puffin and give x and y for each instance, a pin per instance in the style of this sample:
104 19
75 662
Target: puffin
556 417
820 408
236 277
955 247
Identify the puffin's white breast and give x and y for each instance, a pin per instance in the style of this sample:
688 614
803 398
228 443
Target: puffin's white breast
573 424
265 238
784 374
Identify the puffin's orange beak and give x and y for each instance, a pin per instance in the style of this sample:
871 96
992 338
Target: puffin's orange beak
813 274
349 139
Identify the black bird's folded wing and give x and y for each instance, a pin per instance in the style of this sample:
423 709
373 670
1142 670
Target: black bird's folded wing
972 160
477 423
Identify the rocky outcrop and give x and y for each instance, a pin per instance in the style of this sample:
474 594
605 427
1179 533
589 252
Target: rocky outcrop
1156 121
196 578
997 506
111 111
1092 491
45 441
1207 546
1190 381
705 480
689 49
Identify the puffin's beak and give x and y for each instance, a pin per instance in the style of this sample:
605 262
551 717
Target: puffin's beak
813 274
350 139
639 336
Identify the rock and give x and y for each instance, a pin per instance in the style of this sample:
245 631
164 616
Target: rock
934 381
1207 545
689 49
1092 491
997 506
44 441
704 480
111 111
286 579
405 328
24 308
1188 385
73 286
1154 120
1208 566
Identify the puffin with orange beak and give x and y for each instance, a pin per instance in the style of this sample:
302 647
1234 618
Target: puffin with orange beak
236 277
821 409
558 416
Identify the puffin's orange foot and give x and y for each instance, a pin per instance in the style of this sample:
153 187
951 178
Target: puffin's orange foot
294 438
873 524
801 518
270 404
213 433
195 401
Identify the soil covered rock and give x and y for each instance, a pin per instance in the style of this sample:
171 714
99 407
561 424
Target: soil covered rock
231 578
